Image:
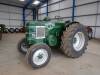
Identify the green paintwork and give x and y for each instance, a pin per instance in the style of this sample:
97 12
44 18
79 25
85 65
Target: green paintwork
53 32
2 27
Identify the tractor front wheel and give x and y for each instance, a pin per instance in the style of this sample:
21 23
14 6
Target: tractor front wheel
74 40
38 55
22 46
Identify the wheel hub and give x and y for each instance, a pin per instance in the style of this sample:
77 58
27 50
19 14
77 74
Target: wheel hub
74 40
40 56
78 41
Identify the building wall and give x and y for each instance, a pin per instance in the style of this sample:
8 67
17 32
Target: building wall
88 15
12 16
85 12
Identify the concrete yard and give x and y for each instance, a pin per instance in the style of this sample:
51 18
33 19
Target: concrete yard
13 63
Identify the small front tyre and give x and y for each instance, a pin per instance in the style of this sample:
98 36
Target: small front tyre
22 46
38 56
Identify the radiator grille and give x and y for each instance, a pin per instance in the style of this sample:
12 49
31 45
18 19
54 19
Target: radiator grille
40 32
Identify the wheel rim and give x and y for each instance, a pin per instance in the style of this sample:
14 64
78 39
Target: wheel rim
78 41
40 57
24 47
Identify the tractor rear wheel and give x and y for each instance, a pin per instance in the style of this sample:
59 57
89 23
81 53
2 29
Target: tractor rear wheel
22 46
74 40
38 56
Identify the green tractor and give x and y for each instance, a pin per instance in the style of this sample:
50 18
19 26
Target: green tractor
41 36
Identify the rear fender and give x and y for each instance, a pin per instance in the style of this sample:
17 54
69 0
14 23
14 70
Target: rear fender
71 23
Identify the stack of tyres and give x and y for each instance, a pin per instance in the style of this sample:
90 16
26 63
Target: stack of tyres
22 30
11 30
17 30
14 30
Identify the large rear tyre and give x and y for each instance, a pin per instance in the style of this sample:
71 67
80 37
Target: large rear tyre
74 40
38 56
22 46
